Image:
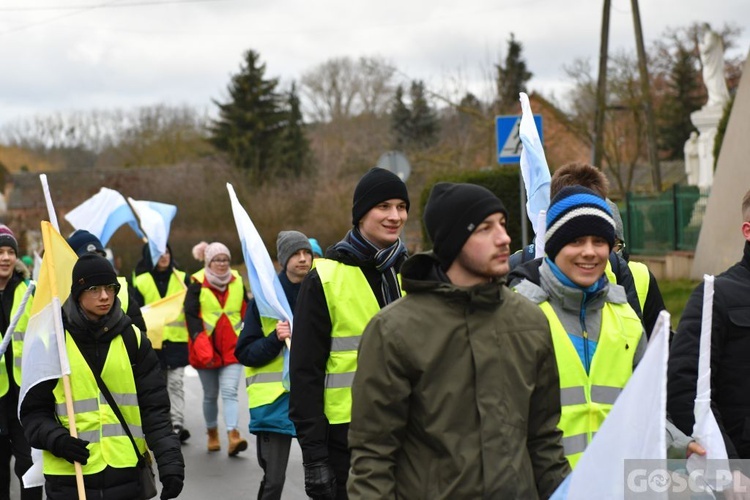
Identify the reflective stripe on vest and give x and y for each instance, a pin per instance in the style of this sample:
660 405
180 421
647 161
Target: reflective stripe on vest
351 305
95 421
211 309
174 331
587 399
264 383
642 279
19 333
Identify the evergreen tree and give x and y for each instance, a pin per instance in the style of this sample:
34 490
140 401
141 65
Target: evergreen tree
249 124
414 126
293 147
511 77
424 121
400 120
683 97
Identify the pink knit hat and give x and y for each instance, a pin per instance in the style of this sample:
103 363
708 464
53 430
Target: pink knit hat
207 252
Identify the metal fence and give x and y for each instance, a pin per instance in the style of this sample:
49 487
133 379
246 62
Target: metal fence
661 223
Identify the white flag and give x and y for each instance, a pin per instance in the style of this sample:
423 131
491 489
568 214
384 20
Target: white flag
713 467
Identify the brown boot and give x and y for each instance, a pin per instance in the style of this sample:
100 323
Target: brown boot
236 443
213 440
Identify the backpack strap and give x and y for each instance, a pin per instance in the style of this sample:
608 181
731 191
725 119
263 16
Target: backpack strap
131 343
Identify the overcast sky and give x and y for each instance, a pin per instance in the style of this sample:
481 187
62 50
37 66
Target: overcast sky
62 55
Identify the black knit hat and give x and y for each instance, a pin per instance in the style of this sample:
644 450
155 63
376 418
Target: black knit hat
575 212
452 213
82 242
91 270
376 186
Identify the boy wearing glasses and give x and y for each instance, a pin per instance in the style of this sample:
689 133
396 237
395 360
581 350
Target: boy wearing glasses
101 339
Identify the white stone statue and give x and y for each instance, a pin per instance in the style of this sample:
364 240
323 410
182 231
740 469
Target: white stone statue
712 58
692 159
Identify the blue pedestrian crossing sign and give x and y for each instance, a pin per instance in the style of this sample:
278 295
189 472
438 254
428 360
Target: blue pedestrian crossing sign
508 138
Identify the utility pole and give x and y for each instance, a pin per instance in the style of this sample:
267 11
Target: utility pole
601 89
646 94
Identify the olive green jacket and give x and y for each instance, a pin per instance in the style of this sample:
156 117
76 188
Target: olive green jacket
456 395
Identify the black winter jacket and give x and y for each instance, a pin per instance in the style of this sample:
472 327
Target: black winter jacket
43 429
730 358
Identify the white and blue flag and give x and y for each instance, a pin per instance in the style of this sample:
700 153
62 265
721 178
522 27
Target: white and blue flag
103 214
535 171
264 282
156 220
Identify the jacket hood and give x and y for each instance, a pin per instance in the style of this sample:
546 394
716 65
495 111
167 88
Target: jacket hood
421 273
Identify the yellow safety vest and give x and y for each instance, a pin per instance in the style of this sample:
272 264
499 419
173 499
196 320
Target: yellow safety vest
587 399
109 444
176 330
642 279
123 294
211 309
264 383
19 333
351 305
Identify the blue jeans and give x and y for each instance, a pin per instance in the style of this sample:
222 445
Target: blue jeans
225 379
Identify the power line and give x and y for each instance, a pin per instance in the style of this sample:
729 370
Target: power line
80 9
62 16
137 3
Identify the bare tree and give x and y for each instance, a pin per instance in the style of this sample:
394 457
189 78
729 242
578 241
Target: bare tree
341 88
624 136
376 88
151 135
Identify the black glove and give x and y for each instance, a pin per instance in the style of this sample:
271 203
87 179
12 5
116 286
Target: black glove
171 487
320 481
71 449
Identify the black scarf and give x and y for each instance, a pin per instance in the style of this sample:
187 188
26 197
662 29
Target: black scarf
384 260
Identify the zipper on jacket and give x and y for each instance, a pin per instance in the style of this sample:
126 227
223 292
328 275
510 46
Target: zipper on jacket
582 317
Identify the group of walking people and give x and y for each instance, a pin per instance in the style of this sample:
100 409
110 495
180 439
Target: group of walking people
459 372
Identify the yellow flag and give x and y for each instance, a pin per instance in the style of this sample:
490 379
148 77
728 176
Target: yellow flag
159 314
57 268
44 356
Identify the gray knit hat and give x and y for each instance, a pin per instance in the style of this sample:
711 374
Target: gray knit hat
619 228
288 243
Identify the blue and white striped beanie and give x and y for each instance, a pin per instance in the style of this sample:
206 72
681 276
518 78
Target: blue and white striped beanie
574 212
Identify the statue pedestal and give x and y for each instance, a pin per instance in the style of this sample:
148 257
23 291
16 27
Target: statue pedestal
706 120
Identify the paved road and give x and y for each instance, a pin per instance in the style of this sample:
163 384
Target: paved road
218 476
